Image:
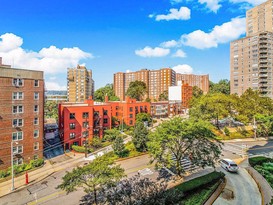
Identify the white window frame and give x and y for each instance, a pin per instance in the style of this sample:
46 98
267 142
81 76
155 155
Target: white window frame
36 97
16 96
18 161
18 82
17 139
37 108
17 123
37 82
17 109
37 121
34 132
16 149
72 135
36 144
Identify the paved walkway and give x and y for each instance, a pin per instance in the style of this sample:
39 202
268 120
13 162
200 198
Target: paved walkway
51 166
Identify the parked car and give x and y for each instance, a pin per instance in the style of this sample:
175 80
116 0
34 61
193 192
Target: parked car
229 165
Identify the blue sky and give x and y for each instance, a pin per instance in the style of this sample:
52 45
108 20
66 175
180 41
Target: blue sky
108 36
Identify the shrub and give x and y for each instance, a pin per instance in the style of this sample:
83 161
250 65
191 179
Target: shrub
36 163
3 174
200 182
81 149
96 142
258 160
226 131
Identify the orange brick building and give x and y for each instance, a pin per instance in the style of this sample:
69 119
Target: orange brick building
77 120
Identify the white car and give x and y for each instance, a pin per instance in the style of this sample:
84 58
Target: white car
229 165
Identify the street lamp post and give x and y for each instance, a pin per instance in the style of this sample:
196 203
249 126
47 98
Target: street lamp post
12 169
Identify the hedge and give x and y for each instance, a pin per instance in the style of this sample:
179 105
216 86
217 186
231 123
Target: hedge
258 160
81 149
200 182
21 168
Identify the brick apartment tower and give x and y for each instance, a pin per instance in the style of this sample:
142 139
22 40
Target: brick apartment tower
201 81
157 81
251 57
80 84
21 115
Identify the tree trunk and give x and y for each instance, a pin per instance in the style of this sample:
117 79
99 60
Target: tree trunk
95 196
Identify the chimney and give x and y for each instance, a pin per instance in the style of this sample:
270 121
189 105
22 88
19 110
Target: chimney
106 99
89 101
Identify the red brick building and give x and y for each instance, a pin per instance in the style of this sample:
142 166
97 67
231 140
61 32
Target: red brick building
77 120
21 115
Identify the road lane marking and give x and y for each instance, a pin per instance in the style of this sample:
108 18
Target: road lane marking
46 198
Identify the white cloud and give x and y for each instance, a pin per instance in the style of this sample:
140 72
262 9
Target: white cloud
169 44
176 1
54 86
183 13
252 2
128 71
220 34
50 60
180 54
52 78
212 5
152 52
183 69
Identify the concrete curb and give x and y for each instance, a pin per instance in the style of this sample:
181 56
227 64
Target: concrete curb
216 192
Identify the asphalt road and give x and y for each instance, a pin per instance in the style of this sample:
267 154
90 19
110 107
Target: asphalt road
244 188
46 193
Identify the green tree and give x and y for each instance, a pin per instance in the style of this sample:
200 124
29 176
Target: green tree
111 134
163 96
197 92
180 139
140 137
96 142
51 109
92 177
265 125
119 147
223 86
108 90
144 117
137 90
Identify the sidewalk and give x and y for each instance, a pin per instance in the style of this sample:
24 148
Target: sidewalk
248 139
40 173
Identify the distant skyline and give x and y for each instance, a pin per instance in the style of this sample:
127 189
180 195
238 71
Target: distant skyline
110 36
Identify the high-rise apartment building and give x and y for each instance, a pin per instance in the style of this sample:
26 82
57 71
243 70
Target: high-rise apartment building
201 81
80 84
21 115
251 58
157 81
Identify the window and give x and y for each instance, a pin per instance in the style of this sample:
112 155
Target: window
131 122
36 146
131 115
17 109
17 122
36 121
18 82
36 83
72 126
72 135
105 112
35 157
36 108
131 109
105 120
85 124
18 161
17 136
36 96
85 115
18 149
17 96
85 134
72 116
36 134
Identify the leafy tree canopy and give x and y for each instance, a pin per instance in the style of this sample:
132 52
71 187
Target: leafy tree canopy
181 139
164 96
137 90
51 109
119 147
140 137
223 86
111 134
144 117
93 177
197 92
108 90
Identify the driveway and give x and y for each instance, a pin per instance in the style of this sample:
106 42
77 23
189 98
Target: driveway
244 188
